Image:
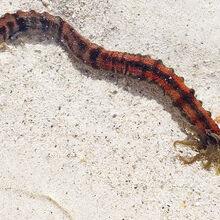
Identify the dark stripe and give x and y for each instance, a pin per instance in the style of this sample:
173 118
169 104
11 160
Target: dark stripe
127 63
126 66
114 60
3 32
141 66
66 38
123 66
21 22
94 53
82 46
186 98
45 23
138 65
165 77
60 30
10 26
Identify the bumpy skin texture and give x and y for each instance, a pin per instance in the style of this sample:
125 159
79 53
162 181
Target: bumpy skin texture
135 65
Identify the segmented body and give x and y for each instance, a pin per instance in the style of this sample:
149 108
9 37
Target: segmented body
136 65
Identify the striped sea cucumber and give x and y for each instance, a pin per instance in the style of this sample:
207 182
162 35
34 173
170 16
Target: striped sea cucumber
206 140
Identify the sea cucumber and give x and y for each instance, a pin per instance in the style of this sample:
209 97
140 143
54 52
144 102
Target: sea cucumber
207 137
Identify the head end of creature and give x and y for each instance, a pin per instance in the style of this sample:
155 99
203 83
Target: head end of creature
208 151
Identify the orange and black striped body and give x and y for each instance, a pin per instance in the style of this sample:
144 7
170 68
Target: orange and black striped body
135 65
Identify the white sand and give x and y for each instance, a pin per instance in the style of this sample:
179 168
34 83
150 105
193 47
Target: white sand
80 144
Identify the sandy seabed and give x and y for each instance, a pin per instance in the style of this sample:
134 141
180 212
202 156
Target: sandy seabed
77 143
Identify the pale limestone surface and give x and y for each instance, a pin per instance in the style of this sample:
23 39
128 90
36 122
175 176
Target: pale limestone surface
76 143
